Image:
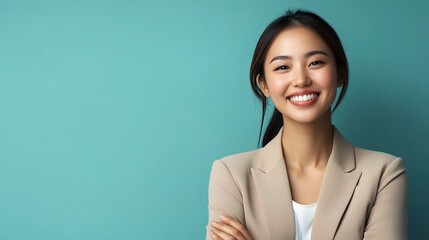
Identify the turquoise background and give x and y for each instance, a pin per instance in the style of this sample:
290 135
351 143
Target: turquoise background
111 112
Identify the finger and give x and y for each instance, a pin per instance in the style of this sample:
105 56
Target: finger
226 231
220 235
236 225
214 236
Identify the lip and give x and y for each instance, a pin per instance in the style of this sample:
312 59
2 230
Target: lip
304 92
301 93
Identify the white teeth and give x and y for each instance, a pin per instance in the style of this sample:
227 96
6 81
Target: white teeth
303 98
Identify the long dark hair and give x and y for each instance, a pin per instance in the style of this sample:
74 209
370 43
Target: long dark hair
313 22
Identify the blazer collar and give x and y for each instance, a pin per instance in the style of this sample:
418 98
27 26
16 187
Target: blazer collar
272 184
338 186
272 154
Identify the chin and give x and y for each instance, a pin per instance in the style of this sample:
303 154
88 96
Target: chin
309 118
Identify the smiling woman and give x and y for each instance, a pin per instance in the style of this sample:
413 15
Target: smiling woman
307 181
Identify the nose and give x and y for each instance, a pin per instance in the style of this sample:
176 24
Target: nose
301 78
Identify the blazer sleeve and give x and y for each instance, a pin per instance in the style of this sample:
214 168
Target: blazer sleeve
224 195
388 216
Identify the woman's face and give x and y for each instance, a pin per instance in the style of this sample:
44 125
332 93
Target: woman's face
300 76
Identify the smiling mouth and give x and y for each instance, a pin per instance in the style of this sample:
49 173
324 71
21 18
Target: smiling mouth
304 97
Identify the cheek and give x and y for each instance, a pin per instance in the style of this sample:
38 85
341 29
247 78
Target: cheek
277 85
328 79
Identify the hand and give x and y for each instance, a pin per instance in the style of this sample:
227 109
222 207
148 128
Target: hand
229 229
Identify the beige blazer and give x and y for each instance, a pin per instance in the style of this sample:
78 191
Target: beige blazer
363 194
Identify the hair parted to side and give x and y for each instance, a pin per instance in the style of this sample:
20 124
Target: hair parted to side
290 19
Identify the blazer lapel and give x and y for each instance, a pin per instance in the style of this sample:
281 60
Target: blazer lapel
338 186
272 185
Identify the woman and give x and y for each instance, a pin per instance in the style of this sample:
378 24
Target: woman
307 181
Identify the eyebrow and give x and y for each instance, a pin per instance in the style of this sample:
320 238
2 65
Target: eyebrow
309 54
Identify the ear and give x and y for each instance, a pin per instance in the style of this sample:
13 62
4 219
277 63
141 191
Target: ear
340 82
341 77
262 85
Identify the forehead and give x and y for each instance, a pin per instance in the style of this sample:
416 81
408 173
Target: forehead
297 41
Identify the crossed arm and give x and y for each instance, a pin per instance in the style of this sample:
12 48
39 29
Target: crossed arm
226 213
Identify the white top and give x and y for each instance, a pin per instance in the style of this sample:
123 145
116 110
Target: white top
304 215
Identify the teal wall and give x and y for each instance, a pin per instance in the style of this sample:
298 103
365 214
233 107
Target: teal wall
111 112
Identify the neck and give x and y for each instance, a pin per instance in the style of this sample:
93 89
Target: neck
307 146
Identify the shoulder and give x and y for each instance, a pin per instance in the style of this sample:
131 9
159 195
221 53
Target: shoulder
366 154
365 160
238 163
236 167
370 158
380 166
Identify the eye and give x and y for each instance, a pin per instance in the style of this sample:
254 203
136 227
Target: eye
316 63
282 67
